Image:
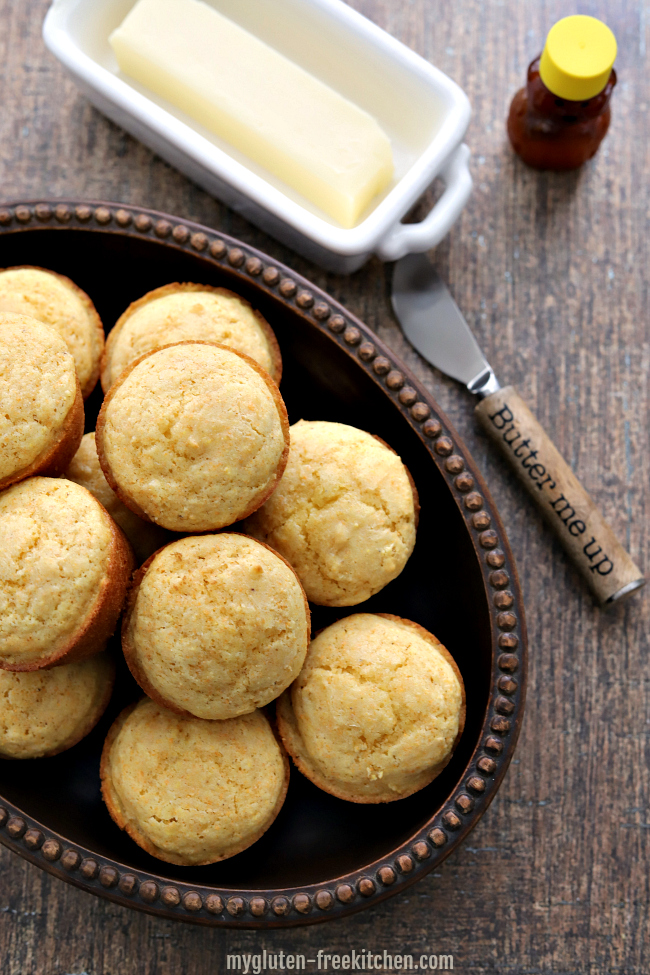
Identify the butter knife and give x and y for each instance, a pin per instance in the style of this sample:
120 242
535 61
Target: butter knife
434 325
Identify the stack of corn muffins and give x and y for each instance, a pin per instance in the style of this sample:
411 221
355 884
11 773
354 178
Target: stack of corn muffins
196 515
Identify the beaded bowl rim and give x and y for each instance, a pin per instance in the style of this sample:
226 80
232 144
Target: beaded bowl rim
449 824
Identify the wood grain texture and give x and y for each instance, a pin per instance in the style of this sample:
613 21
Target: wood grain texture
570 511
551 271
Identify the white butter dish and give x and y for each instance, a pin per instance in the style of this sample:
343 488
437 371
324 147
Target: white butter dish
424 113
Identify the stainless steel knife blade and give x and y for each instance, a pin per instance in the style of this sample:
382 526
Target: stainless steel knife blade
434 325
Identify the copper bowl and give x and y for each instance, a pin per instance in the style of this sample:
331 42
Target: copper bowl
323 858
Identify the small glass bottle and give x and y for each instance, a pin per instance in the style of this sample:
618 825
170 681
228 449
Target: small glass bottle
562 115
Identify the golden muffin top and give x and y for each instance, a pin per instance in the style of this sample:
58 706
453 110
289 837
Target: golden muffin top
376 710
55 543
191 791
193 436
344 513
47 711
55 300
182 312
37 390
218 627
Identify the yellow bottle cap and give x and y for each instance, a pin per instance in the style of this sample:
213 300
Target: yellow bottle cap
577 58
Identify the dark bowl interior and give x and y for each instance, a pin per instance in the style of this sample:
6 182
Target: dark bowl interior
316 836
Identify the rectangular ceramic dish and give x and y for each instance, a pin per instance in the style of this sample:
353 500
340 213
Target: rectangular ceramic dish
424 113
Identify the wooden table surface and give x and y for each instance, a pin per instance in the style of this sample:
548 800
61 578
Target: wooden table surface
552 272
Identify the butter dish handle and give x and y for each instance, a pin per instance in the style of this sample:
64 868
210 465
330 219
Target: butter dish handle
413 238
571 512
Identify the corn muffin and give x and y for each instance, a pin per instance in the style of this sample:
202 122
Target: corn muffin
194 312
344 514
57 301
41 409
193 437
377 710
145 537
216 626
64 571
47 711
190 791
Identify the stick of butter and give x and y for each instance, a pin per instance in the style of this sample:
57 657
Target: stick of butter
276 113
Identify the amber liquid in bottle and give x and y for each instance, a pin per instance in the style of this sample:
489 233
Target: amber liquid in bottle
548 132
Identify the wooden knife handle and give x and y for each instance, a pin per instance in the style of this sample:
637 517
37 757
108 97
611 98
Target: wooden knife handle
568 508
